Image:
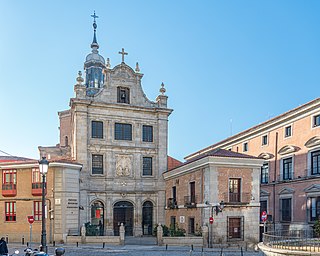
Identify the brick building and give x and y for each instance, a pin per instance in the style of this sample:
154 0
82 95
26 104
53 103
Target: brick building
21 196
290 176
200 187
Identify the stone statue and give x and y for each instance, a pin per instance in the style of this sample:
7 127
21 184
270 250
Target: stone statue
123 165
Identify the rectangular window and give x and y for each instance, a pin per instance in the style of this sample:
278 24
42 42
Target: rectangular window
123 131
97 164
97 130
315 162
285 208
287 169
235 228
245 147
36 182
314 208
316 120
191 226
193 192
265 173
10 211
264 140
123 95
37 210
147 133
173 222
263 206
9 182
234 190
147 166
287 131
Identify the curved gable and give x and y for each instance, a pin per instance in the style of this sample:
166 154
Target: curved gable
288 149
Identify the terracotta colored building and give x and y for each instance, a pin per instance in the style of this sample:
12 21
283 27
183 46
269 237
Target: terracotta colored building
21 196
199 188
290 175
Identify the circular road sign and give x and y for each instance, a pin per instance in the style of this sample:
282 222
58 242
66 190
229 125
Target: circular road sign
30 219
264 216
211 220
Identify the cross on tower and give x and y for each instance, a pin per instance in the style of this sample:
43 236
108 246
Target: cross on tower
94 16
123 53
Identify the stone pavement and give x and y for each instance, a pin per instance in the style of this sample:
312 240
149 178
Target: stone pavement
139 250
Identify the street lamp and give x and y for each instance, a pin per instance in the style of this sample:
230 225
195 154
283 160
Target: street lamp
214 208
43 167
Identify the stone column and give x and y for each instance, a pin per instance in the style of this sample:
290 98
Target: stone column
122 232
159 234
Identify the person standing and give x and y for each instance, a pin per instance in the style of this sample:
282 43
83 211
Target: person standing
3 247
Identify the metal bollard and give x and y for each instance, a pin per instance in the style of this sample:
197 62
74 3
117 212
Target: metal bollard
192 247
221 254
241 252
54 243
22 241
27 244
103 245
77 244
166 247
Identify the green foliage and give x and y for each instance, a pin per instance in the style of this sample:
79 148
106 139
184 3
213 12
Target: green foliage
316 228
176 231
91 230
165 230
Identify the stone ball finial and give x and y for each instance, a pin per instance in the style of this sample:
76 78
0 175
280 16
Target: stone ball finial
80 78
162 89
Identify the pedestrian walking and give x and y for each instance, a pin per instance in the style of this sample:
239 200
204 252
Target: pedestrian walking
3 246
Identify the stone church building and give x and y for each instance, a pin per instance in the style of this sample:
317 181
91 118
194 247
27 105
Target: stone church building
120 138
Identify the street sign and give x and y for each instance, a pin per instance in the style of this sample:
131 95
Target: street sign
211 220
30 219
264 216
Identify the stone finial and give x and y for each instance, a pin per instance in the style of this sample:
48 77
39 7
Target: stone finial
80 78
137 68
162 89
108 65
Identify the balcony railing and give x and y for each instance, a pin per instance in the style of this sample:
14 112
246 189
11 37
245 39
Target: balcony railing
37 189
298 175
9 189
172 203
190 201
237 198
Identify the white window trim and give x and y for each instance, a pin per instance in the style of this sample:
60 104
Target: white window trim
245 142
287 196
284 131
281 166
263 145
309 160
312 118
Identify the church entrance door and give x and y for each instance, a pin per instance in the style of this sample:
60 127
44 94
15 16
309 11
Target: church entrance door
123 213
147 212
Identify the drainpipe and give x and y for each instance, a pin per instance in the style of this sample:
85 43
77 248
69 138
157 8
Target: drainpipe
274 182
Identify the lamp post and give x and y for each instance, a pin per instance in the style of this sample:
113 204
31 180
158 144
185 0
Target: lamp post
215 208
43 167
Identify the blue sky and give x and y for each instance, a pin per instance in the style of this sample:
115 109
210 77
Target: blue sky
245 61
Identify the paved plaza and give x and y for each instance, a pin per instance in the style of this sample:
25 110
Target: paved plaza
141 250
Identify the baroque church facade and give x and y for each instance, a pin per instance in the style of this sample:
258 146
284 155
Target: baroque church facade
120 138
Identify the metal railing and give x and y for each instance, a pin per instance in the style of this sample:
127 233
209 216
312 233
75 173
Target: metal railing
238 198
295 240
190 201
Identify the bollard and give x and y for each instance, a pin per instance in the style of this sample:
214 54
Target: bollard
166 247
103 245
22 241
221 254
241 252
7 239
54 243
190 252
77 244
27 244
192 247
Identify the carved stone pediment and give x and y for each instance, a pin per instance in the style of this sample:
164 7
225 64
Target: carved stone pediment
313 188
264 193
286 191
314 141
123 165
266 155
288 149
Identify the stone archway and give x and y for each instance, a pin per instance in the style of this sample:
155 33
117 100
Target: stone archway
147 218
123 213
97 217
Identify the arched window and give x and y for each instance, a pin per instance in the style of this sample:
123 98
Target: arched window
147 214
97 219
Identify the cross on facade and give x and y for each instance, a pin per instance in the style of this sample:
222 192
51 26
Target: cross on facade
94 16
123 53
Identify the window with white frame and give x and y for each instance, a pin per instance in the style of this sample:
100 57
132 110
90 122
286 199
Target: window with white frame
315 162
264 140
285 209
314 208
245 147
287 131
265 173
287 168
316 121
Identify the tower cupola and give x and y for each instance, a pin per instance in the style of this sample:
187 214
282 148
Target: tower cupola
94 63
